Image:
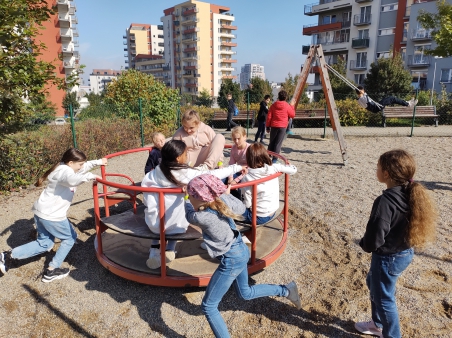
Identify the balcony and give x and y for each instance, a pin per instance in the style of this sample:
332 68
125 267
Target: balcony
176 22
227 26
191 20
160 27
316 28
227 68
358 64
75 32
227 52
124 37
362 1
190 30
63 5
72 8
404 37
74 20
418 60
191 85
190 11
66 35
421 34
229 77
66 51
360 43
167 68
160 36
362 19
228 44
326 6
191 49
190 67
191 58
190 39
161 44
69 65
407 12
75 42
76 55
62 21
228 61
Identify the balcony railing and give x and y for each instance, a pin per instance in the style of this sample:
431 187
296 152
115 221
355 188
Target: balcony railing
343 38
228 61
190 11
309 9
190 30
418 60
325 27
421 34
360 1
228 44
360 43
358 64
166 67
227 26
362 19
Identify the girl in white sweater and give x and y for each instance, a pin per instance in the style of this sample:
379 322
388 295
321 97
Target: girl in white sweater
260 166
50 213
172 172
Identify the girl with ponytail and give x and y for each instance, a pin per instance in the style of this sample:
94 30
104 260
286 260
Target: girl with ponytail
402 218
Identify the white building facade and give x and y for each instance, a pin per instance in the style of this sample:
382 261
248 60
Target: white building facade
249 71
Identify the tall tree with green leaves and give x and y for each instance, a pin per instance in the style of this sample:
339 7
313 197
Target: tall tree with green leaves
388 77
204 98
158 101
229 87
441 25
22 75
70 99
257 89
290 84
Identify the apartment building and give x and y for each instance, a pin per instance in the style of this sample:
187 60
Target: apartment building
249 71
153 65
60 35
100 78
199 41
142 39
361 31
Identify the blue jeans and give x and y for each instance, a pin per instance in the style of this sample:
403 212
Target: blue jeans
381 281
233 269
47 232
248 215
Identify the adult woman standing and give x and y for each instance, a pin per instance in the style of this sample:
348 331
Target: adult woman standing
277 119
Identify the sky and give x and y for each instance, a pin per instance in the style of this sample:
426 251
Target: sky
269 32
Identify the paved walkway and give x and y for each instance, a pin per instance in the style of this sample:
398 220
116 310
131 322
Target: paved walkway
425 131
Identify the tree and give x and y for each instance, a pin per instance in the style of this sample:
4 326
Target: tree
340 89
388 77
158 101
204 98
441 25
289 85
229 87
22 75
257 89
71 99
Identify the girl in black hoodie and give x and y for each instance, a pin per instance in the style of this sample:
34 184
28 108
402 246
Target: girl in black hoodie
403 217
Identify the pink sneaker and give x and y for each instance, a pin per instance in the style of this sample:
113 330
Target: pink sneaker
369 328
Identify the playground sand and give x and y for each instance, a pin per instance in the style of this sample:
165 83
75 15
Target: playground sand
329 208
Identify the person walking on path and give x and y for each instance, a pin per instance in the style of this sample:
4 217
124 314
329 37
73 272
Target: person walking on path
277 120
212 208
367 103
231 109
403 217
50 213
262 118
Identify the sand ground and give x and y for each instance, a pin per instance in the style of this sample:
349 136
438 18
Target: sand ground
329 208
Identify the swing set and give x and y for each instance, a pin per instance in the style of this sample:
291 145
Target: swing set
316 54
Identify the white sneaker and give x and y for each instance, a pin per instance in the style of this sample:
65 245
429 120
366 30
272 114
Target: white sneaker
153 261
170 256
203 246
412 103
293 296
369 328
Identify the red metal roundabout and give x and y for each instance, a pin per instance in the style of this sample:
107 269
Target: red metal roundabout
123 240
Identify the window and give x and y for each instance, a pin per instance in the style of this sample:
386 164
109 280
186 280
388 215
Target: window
383 55
446 75
386 31
363 34
388 8
359 79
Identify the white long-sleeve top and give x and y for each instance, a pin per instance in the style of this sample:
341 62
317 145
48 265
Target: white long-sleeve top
175 222
268 192
55 200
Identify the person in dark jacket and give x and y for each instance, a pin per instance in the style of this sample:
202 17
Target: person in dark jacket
403 217
277 119
262 118
155 157
231 108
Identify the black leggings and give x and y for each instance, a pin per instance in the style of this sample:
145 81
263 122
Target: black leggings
276 139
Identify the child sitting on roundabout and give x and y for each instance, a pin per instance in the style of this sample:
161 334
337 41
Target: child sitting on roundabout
172 172
204 146
212 208
259 166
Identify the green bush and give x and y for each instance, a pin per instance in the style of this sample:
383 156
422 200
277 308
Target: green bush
27 155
